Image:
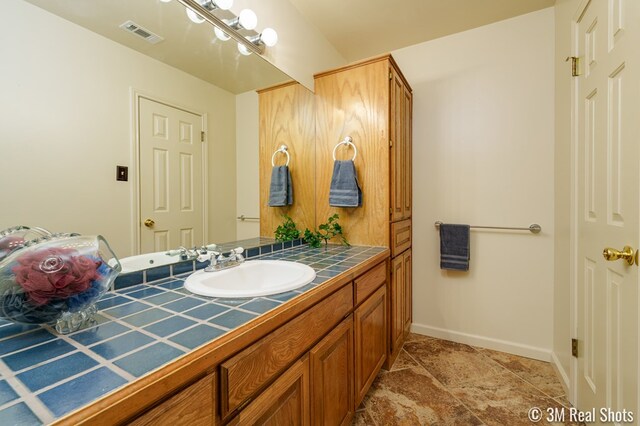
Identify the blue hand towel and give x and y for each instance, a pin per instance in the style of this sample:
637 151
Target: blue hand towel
345 190
281 188
454 247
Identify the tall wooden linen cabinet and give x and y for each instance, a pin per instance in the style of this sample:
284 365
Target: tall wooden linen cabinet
372 102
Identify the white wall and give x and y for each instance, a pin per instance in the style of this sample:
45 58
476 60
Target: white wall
564 11
302 50
65 123
247 164
483 154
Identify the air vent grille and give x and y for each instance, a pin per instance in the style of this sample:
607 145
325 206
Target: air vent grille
136 29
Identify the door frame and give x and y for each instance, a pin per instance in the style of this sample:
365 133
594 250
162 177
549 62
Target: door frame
134 160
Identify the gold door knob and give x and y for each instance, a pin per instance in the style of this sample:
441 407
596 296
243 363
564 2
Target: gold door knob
149 223
627 254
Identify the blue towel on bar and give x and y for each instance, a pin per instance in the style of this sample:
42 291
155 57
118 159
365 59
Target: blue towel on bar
454 247
345 190
281 188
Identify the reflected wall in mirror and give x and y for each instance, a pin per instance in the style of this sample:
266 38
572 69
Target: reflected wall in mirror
73 81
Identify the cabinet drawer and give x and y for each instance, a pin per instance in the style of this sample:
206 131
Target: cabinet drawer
249 371
369 282
194 406
400 237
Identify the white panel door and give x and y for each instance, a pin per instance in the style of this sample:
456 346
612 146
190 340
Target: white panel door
608 187
171 177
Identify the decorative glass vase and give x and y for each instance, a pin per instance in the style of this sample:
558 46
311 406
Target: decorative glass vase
15 237
56 280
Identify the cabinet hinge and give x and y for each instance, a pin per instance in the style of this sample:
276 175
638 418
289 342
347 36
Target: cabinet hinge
574 347
202 136
390 143
575 65
390 75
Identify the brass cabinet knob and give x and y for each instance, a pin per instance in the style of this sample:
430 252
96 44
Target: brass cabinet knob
627 253
149 223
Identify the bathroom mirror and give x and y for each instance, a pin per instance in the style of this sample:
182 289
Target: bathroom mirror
74 85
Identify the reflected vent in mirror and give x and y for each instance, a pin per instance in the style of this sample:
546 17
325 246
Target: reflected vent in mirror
136 29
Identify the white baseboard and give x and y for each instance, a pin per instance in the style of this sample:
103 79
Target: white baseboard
562 373
484 342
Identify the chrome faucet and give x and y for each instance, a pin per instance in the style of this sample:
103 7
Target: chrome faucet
186 254
218 261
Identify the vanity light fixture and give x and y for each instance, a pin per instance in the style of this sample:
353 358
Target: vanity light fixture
226 29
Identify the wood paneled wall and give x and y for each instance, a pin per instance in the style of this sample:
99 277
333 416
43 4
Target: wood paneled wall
287 117
355 102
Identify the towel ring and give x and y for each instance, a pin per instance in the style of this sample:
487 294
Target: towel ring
347 141
284 149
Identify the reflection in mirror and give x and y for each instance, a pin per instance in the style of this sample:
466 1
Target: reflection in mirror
82 96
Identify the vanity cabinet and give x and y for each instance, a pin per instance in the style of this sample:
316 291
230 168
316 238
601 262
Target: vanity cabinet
194 406
332 391
372 102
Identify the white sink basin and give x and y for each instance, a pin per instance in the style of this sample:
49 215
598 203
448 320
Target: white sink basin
251 279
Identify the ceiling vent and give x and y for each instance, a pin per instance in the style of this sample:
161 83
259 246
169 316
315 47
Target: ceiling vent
136 29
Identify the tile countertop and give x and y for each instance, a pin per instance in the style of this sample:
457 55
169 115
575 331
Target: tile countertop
44 376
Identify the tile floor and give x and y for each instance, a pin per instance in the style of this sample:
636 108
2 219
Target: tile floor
438 382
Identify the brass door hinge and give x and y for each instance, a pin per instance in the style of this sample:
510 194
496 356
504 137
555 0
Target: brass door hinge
390 75
202 136
390 143
575 65
574 347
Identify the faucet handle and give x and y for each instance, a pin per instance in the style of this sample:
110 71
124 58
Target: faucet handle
211 247
237 250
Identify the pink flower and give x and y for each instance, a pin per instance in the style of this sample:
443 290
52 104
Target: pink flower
54 273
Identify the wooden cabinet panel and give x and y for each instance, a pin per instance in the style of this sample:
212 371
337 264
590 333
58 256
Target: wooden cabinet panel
400 237
243 375
397 304
396 115
285 402
408 148
369 282
370 321
332 377
194 406
408 292
287 117
355 102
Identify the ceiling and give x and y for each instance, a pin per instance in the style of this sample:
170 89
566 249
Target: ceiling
190 47
362 28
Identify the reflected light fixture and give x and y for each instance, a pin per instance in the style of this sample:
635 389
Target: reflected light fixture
235 28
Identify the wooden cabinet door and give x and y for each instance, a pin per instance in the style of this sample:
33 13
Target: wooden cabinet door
407 123
397 156
285 402
408 292
371 341
194 406
332 377
398 301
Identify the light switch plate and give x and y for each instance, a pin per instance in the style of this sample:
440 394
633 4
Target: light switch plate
122 173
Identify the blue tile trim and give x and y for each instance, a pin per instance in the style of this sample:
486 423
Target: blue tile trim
253 252
48 374
158 273
80 391
18 414
148 359
276 246
38 354
128 280
7 394
122 344
183 267
25 340
265 249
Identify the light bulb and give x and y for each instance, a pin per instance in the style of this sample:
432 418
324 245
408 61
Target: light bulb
224 4
243 49
220 34
248 19
194 17
165 1
269 37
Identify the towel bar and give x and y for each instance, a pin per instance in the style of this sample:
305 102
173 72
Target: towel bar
534 228
284 149
243 218
347 141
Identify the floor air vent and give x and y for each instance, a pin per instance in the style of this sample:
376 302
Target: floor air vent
136 29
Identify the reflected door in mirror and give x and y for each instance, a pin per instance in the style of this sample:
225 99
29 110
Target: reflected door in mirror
171 177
